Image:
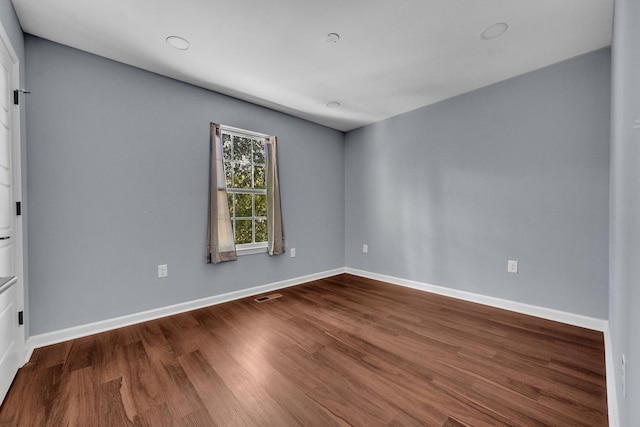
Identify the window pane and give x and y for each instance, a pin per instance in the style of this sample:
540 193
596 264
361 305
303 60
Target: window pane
261 205
226 146
243 205
259 179
243 232
230 202
261 230
228 171
241 149
241 175
258 151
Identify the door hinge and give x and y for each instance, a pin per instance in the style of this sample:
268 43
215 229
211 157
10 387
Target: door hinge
21 318
18 208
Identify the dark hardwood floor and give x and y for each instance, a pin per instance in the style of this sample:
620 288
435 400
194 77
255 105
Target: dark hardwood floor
339 351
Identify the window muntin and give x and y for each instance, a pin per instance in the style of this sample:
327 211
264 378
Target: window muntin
245 169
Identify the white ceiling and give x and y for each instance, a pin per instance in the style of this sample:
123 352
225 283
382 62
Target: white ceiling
392 56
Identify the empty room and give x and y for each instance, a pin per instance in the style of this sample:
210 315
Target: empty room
244 213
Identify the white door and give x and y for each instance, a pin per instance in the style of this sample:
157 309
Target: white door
11 334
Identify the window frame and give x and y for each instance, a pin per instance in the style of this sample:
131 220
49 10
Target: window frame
254 247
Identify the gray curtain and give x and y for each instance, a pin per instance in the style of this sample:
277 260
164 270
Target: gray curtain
221 244
275 230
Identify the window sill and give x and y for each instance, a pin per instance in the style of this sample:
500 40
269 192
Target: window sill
250 249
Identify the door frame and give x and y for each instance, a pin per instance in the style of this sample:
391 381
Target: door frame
16 171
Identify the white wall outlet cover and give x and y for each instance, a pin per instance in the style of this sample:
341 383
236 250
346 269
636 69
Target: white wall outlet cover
162 271
365 248
292 253
512 266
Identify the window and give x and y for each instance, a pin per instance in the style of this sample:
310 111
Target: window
245 213
245 169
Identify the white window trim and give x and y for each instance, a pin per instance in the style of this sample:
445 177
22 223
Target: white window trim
251 248
244 132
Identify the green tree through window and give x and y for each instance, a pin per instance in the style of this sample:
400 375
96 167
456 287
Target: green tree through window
245 166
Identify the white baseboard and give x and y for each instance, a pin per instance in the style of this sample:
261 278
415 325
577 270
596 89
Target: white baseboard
42 340
28 351
531 310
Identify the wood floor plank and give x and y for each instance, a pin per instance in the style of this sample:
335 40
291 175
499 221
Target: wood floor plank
74 402
159 416
256 356
333 352
219 400
110 406
246 388
141 382
198 418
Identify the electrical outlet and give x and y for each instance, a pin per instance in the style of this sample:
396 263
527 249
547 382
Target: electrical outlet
292 253
162 271
623 374
512 266
365 248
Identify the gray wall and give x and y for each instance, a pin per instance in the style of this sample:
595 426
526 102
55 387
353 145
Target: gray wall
625 207
117 184
11 25
519 170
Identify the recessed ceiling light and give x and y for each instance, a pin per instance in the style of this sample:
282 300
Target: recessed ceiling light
333 104
332 38
178 42
493 31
